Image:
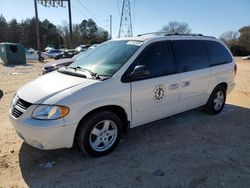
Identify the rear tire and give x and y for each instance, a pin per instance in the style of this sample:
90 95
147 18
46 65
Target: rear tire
99 134
216 100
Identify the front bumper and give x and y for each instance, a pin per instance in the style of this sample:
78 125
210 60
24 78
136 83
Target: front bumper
42 134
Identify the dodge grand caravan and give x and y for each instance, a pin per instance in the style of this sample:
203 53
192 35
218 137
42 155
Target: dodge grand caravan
122 83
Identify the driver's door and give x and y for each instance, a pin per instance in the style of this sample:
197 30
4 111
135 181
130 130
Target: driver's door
157 95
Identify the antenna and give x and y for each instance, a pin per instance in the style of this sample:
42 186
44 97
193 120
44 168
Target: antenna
125 29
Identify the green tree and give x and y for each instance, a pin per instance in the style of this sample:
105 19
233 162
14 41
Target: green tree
50 34
28 35
3 29
244 39
14 31
88 30
25 32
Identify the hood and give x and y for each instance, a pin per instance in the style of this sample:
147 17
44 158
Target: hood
59 62
49 85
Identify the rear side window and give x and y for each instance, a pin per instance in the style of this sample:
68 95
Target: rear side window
218 54
190 55
158 58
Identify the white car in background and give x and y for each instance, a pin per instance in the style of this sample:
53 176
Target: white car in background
82 48
32 54
246 57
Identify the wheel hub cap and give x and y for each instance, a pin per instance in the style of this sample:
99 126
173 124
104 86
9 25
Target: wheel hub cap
218 100
103 135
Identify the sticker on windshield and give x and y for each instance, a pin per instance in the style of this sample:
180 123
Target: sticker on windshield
137 43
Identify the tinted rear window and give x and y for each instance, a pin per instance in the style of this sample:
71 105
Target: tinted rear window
190 55
218 54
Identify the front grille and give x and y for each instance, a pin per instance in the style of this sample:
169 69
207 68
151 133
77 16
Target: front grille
23 104
16 113
19 107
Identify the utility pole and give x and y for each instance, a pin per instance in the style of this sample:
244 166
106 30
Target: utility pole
57 3
125 29
37 32
110 29
70 24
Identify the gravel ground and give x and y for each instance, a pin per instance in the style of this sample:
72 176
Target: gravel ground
191 149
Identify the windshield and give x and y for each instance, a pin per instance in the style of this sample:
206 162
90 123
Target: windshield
107 58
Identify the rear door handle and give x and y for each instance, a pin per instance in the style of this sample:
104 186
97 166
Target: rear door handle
185 83
174 86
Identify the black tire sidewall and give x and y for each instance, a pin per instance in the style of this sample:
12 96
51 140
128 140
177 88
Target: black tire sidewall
88 125
210 105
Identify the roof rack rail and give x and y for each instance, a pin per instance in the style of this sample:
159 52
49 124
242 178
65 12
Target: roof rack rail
185 34
152 33
174 34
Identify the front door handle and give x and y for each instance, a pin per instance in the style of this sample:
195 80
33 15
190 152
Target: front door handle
174 86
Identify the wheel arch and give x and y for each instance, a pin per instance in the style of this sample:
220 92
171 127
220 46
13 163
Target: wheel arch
118 110
223 84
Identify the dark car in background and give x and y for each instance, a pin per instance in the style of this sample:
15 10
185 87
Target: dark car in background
56 64
66 54
53 52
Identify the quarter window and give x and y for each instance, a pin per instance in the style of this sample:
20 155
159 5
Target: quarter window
158 58
218 54
190 55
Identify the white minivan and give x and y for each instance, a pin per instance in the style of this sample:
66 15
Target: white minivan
122 83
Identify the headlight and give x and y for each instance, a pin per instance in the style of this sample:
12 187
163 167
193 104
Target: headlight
50 112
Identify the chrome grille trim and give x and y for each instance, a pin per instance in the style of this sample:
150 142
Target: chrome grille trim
19 107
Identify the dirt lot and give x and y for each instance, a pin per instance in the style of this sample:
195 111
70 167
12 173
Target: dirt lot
191 149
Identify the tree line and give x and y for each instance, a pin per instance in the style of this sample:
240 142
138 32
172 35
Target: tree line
238 41
24 32
87 32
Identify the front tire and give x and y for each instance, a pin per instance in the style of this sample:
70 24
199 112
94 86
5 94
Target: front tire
99 134
216 100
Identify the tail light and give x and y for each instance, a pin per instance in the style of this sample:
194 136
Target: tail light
235 68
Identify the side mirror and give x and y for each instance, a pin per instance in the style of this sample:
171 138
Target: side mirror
139 72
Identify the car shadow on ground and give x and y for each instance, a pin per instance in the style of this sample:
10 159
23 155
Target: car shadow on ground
187 150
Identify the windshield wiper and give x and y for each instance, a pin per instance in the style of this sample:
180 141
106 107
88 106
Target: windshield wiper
93 74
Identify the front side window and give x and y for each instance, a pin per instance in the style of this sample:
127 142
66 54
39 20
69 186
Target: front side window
190 55
158 59
108 57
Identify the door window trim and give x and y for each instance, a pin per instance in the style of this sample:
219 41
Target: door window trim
133 64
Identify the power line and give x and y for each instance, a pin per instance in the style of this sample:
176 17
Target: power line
79 10
90 12
100 4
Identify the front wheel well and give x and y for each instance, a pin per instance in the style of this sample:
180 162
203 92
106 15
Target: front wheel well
119 111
